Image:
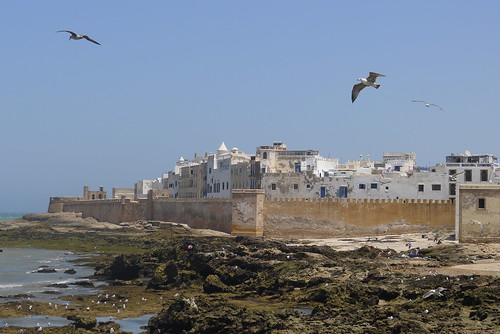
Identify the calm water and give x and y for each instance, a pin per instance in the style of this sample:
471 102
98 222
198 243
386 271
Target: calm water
19 280
132 325
19 276
8 216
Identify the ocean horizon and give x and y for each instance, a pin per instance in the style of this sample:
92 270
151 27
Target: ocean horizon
9 216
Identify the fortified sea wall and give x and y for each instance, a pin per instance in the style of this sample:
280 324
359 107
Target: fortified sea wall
479 213
250 213
326 218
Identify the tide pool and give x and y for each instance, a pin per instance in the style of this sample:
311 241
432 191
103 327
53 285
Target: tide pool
20 276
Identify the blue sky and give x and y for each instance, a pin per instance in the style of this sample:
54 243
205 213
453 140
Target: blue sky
172 78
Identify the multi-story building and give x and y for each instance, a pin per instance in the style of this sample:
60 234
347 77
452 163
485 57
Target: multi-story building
306 174
398 179
211 176
158 186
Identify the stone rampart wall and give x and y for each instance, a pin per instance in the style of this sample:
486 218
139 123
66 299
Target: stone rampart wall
205 213
326 218
479 223
249 213
110 210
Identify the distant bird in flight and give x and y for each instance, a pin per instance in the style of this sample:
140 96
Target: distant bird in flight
427 104
479 223
433 292
77 37
370 81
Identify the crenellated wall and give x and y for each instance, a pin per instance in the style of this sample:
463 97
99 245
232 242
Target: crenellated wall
247 208
205 213
109 210
479 213
326 218
250 213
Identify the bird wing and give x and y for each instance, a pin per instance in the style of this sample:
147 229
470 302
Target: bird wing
355 91
373 76
435 105
441 289
428 294
90 39
418 101
72 33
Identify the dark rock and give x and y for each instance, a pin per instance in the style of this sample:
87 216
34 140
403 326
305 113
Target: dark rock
70 271
82 321
84 283
213 284
45 270
125 267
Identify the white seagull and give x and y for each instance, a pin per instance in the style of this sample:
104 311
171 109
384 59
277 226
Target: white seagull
434 292
77 37
370 81
479 223
427 104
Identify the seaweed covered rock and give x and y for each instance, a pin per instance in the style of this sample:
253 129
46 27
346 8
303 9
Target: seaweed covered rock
165 274
200 315
213 284
82 321
125 267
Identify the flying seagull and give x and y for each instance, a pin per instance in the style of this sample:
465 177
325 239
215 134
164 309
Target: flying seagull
434 292
427 104
479 223
370 81
77 37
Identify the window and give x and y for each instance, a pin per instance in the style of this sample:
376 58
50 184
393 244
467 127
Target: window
295 186
264 155
468 175
308 186
362 186
421 187
452 171
481 203
436 187
453 189
484 175
373 186
273 186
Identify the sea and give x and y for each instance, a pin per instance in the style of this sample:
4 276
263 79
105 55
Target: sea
33 274
8 216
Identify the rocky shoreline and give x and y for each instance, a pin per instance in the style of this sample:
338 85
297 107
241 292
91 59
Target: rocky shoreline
197 282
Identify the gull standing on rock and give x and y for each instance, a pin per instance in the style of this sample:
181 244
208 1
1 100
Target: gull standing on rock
370 81
77 37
